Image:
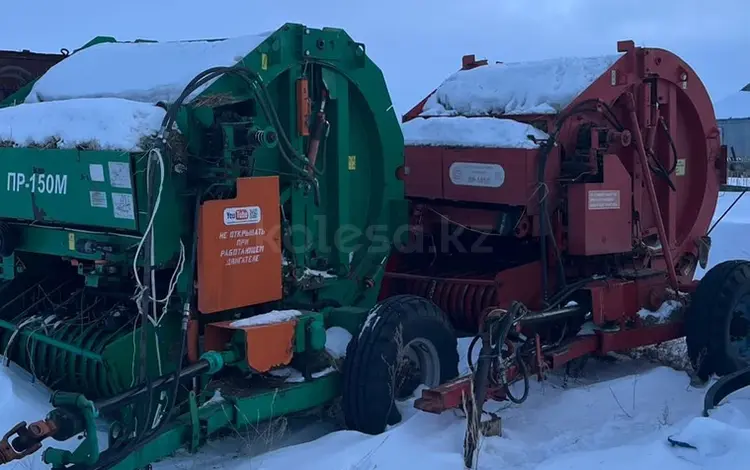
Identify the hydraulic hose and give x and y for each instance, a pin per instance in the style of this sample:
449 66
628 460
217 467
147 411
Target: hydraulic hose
133 394
525 374
264 100
110 458
544 152
149 298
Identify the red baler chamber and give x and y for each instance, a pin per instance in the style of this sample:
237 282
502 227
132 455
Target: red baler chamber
565 168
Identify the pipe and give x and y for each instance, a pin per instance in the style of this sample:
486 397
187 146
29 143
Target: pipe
551 314
638 139
133 394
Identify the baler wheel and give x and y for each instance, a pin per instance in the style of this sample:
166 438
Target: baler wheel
717 323
405 342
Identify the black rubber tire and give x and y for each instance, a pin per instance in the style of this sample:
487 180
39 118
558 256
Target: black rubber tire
709 316
367 400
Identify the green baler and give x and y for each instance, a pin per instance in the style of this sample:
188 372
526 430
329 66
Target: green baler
201 210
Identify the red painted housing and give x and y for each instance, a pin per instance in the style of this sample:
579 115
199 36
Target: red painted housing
524 178
17 68
629 186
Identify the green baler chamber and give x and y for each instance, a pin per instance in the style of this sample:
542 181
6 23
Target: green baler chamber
75 152
303 105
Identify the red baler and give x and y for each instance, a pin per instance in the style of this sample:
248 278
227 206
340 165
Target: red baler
560 208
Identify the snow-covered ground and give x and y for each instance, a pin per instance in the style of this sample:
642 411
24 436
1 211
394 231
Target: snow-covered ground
618 414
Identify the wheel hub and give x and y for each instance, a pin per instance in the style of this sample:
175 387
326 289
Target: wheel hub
417 364
739 328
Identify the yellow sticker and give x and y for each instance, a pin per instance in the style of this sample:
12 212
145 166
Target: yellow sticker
352 162
72 241
264 61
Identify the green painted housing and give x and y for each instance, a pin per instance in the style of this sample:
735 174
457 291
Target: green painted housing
50 233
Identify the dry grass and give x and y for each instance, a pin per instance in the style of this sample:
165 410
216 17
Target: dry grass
50 144
176 144
366 463
670 353
257 435
395 370
214 100
473 437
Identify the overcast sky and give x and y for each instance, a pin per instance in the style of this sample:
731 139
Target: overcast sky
417 43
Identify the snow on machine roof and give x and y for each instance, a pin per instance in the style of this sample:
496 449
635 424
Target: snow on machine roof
516 88
104 96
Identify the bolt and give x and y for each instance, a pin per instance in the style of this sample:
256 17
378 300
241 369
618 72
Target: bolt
307 52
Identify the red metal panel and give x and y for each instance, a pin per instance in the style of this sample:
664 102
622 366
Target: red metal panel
423 172
502 176
599 214
19 68
619 300
613 300
578 348
514 285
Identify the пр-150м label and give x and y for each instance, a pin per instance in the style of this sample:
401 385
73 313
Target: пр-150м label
44 183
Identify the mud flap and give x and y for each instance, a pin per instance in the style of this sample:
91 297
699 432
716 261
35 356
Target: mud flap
724 387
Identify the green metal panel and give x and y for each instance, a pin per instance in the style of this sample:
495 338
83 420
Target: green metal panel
237 414
68 186
58 241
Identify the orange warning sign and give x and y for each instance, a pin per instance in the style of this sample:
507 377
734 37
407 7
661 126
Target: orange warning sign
239 247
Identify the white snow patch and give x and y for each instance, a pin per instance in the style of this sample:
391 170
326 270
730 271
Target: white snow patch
460 131
587 329
147 72
106 123
718 444
274 316
662 314
540 87
614 423
317 273
292 375
734 106
337 339
215 399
